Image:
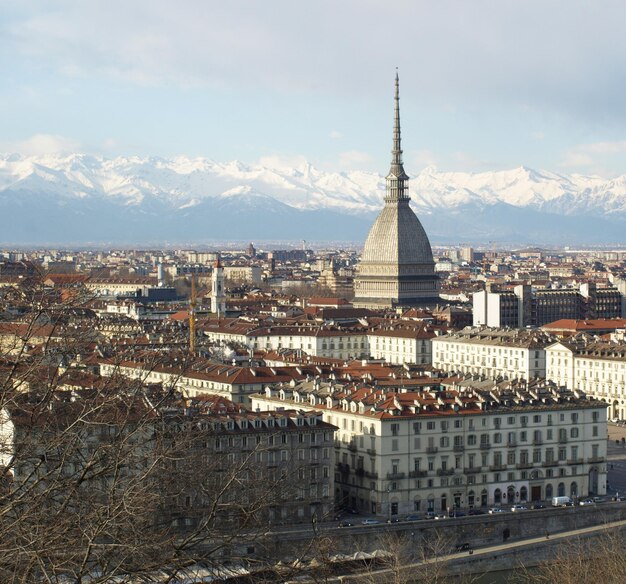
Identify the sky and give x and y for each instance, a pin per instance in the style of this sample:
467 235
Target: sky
485 85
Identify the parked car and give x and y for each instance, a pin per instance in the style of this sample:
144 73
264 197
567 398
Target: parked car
562 502
599 500
441 515
476 512
431 515
345 524
519 508
456 514
370 522
619 498
463 547
586 502
538 506
413 517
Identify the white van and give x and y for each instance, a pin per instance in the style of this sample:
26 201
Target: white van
562 502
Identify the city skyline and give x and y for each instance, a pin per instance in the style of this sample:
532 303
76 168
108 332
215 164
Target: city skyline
485 87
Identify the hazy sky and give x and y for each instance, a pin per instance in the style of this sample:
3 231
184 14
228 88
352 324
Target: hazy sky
484 84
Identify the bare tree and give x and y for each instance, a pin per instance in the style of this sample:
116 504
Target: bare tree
108 479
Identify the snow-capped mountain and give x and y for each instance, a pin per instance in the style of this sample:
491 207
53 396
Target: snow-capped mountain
80 198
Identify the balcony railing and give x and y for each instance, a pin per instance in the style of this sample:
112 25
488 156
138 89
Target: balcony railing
371 451
395 476
524 465
575 461
431 449
352 446
445 472
497 467
416 474
359 472
485 445
594 459
343 467
458 448
371 474
472 470
550 463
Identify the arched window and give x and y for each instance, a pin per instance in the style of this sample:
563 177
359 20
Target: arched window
497 496
561 490
548 491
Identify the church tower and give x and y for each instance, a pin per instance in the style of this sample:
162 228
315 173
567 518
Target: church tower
218 297
396 267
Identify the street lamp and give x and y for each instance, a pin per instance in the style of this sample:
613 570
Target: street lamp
388 503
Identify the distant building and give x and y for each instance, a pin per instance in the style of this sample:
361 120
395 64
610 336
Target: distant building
493 353
595 367
524 306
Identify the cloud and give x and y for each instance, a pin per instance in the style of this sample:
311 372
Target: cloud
602 158
421 159
356 160
562 54
538 135
42 144
283 161
335 135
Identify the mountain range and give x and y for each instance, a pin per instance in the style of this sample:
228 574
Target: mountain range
81 199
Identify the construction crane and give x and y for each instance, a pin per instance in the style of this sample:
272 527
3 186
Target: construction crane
192 316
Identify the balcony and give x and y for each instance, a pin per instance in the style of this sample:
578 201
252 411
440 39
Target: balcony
352 446
445 472
497 467
458 448
472 470
511 443
524 465
575 461
595 459
551 463
371 474
485 445
431 449
360 472
538 442
562 439
371 451
418 474
395 476
343 467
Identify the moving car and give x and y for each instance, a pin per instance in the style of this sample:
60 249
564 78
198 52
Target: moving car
494 510
345 524
414 517
585 502
370 522
562 502
519 508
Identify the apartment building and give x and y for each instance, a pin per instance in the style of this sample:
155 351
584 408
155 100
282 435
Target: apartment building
275 466
596 367
493 353
455 447
526 306
401 342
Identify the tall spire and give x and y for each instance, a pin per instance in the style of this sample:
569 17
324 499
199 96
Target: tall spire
397 179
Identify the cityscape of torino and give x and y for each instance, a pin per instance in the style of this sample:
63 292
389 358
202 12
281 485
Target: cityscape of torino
312 292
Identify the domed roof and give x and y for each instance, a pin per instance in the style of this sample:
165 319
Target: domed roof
397 237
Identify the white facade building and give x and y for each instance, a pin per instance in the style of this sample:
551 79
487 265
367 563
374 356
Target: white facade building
597 368
493 353
400 453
